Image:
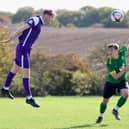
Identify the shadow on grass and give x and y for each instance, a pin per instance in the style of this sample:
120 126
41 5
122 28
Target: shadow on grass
84 126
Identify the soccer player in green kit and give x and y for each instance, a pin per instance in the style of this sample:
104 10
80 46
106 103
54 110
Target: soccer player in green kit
116 79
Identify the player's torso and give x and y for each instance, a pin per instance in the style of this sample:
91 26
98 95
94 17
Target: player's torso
28 37
117 65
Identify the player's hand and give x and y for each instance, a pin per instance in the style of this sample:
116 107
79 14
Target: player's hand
5 41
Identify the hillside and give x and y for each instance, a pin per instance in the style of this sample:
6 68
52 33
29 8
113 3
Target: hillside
80 40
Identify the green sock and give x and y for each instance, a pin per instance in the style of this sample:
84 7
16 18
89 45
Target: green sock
121 101
103 107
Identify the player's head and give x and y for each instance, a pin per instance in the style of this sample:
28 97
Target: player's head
113 49
48 16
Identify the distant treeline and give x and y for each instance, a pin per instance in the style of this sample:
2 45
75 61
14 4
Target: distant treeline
84 17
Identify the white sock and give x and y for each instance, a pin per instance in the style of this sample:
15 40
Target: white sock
116 108
101 114
28 97
6 88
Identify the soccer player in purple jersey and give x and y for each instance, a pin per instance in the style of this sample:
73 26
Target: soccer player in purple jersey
27 34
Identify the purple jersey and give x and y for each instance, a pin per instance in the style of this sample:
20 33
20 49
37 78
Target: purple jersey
26 40
28 37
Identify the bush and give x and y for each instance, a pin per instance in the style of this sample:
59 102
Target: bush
5 55
63 75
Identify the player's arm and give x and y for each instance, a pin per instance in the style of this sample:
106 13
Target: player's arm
118 75
127 43
16 33
111 70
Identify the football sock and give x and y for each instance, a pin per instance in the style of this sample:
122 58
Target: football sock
103 107
26 84
121 102
101 114
116 108
8 80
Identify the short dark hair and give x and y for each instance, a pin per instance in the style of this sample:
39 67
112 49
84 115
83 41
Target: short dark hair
48 12
113 45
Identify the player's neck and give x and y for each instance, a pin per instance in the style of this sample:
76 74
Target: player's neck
115 56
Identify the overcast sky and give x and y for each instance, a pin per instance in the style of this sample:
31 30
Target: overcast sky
14 5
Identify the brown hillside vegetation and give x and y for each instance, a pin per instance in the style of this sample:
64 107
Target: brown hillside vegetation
55 41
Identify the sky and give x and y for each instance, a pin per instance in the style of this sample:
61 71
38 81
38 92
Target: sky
13 5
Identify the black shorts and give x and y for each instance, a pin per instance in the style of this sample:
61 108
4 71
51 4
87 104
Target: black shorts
111 88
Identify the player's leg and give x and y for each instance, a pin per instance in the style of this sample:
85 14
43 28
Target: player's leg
124 91
9 78
103 106
11 75
13 71
26 80
102 109
108 92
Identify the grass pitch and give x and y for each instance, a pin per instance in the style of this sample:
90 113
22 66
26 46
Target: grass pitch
60 113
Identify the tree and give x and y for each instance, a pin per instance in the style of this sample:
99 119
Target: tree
66 17
22 14
5 20
104 14
89 16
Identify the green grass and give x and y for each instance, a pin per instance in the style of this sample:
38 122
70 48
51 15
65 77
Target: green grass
60 113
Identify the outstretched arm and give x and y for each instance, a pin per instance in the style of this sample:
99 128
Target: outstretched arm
127 43
15 34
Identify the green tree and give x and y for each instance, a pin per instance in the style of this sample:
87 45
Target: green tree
22 14
66 17
89 16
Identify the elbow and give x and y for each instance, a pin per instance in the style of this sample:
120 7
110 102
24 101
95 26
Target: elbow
115 77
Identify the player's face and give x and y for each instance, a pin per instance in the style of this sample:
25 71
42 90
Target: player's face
112 51
49 19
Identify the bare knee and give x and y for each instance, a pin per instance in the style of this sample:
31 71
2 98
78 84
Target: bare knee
26 73
105 100
125 93
15 69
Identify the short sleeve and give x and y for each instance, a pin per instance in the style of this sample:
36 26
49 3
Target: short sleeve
123 50
33 21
